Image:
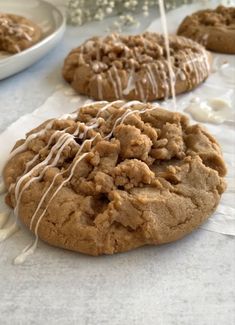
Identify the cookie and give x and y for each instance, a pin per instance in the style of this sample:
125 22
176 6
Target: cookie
135 67
17 33
215 29
115 176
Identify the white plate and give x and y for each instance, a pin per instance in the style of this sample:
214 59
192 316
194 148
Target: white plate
48 17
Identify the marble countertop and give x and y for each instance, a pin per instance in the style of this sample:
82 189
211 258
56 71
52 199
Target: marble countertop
188 282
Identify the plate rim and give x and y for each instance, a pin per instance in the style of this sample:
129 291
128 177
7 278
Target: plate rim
59 29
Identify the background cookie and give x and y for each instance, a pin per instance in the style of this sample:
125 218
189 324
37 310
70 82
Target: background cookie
113 177
215 29
135 67
17 33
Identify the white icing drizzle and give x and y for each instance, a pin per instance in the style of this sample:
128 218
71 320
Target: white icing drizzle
204 39
4 216
206 61
141 91
167 46
107 106
127 113
194 63
27 27
94 103
32 161
165 78
144 42
99 86
16 28
54 179
118 81
16 46
29 38
156 72
130 83
136 53
152 79
27 251
90 127
23 147
129 104
160 74
130 112
200 64
56 146
204 65
215 110
59 188
9 231
180 72
62 141
113 83
96 66
71 116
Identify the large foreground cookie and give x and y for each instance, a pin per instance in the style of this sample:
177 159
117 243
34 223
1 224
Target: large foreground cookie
215 29
135 67
17 33
113 177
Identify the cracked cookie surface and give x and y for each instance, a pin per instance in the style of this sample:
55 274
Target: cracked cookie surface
17 33
214 28
135 67
115 176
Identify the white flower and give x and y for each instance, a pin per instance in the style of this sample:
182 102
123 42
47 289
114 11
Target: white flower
81 11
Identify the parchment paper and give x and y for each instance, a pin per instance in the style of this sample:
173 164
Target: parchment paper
190 281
